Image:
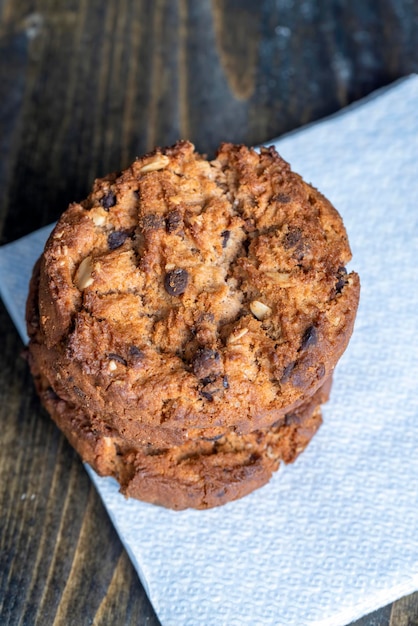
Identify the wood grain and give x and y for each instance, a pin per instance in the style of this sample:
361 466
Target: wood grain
86 86
405 611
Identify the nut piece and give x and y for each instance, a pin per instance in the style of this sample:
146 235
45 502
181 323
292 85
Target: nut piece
83 277
335 321
259 310
158 163
99 219
176 281
237 335
280 278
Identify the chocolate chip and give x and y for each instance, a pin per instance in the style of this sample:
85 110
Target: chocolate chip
310 337
225 382
136 354
287 372
254 458
207 395
117 238
108 200
173 221
79 392
205 362
282 198
208 380
225 234
175 282
215 438
291 418
341 279
116 357
152 222
292 238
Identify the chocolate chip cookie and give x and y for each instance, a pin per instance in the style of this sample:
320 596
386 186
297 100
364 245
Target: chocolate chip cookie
187 300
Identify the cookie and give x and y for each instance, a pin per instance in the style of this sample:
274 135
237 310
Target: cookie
201 473
186 300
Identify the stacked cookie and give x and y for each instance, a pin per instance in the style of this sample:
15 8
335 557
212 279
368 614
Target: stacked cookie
185 321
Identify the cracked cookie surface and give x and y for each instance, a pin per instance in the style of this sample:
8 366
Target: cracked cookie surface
189 301
186 295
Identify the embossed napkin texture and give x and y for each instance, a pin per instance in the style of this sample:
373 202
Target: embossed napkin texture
335 535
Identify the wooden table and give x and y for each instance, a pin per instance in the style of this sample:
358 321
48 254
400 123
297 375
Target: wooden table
85 86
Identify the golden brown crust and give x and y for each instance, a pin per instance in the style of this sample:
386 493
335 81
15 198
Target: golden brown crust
187 299
241 230
200 473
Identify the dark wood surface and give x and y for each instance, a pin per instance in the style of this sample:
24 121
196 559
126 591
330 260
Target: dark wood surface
85 86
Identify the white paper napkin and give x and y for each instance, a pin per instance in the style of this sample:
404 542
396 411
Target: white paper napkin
334 536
